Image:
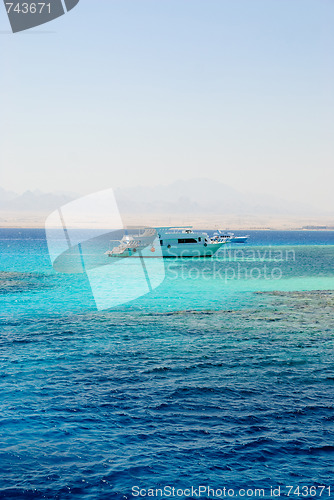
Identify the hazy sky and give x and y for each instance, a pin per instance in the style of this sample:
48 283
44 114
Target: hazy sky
127 92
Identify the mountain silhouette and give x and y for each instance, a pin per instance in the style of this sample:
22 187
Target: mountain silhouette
204 196
191 197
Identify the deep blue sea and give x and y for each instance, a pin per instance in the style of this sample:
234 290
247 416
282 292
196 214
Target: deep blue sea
220 377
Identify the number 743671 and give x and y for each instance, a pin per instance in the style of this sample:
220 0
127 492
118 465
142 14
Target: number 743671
26 8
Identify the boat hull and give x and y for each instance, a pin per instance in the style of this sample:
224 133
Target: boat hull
196 250
239 239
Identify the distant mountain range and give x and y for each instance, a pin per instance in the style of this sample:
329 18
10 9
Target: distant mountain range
32 201
190 197
204 196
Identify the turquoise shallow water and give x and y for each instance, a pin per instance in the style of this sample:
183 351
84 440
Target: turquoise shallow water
209 379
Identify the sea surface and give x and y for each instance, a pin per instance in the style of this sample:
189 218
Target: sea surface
222 376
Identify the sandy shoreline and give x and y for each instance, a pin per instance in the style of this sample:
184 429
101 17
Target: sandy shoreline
227 222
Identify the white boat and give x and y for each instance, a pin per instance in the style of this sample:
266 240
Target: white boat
229 237
184 242
134 244
172 242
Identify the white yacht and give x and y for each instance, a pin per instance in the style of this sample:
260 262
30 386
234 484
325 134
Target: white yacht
166 242
229 237
134 243
184 242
